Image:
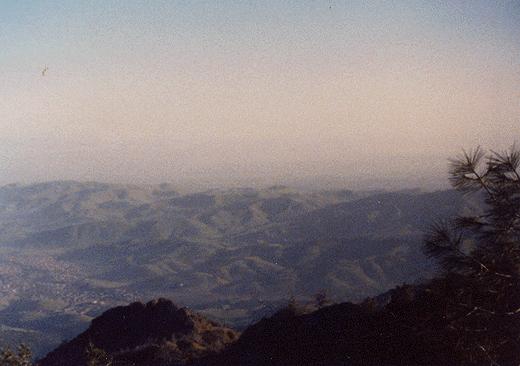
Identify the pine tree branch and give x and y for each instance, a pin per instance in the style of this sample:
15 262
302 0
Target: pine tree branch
493 362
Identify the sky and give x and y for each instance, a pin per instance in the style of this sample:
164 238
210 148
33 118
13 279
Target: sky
253 92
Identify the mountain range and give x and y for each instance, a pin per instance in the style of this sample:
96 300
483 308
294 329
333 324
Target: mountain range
71 250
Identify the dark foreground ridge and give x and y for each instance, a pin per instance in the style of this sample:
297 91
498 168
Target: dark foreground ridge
389 330
156 333
409 325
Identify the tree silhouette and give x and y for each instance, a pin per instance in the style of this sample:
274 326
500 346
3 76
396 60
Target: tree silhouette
480 253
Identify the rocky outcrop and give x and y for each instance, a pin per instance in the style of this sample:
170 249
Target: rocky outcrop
156 333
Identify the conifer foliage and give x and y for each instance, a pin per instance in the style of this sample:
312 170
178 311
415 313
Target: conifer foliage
480 255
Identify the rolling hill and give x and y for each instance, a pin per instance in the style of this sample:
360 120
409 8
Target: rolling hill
72 250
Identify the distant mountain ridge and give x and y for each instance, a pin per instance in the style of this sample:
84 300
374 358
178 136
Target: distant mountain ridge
79 248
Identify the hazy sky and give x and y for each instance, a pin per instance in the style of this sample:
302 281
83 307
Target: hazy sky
245 91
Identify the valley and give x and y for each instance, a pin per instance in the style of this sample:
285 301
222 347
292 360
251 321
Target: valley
69 250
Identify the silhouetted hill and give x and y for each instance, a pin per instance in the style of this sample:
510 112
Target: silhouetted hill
409 325
154 333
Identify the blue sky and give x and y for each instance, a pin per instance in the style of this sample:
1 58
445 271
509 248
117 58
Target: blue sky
235 91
